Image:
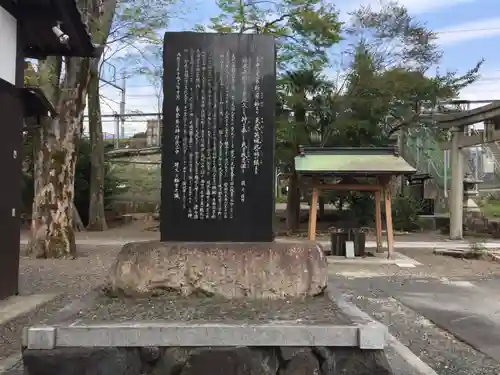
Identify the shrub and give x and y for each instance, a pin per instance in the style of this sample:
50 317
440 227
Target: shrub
405 211
361 207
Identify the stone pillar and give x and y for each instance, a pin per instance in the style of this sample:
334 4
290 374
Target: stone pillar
457 186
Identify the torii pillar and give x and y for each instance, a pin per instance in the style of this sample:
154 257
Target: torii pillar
457 184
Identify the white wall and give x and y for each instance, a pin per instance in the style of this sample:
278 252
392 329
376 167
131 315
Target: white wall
8 46
488 164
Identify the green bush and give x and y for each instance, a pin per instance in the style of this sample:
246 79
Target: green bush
405 213
82 183
361 207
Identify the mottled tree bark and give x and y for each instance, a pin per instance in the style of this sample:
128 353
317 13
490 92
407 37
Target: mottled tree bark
52 234
97 218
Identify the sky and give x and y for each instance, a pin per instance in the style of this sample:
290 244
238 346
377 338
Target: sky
468 31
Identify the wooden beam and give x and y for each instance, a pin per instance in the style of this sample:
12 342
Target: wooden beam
313 212
388 219
378 220
349 187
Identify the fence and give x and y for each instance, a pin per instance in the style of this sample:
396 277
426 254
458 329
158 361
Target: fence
139 183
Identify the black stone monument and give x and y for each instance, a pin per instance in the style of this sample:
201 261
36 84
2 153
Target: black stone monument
218 137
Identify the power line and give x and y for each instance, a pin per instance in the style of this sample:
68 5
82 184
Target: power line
467 30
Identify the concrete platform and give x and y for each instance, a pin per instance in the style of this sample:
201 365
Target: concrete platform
14 306
83 332
397 259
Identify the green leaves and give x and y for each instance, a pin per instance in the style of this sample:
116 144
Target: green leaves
304 29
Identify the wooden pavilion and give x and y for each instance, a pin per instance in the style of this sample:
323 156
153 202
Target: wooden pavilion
353 169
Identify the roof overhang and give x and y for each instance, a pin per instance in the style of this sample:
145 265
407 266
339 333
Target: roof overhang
367 162
35 103
38 17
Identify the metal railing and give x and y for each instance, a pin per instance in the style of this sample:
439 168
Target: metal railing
139 182
427 157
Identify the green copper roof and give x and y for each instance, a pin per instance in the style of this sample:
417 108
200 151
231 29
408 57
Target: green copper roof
352 161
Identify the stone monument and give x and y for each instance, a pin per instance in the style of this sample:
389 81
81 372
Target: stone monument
217 204
218 139
216 295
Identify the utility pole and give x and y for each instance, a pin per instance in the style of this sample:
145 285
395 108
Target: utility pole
117 131
122 105
119 117
160 125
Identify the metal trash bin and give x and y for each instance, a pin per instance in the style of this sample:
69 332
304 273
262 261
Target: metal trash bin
339 239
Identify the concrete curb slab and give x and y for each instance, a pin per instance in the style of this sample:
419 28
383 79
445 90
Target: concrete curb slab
11 362
419 366
467 253
398 259
18 305
360 333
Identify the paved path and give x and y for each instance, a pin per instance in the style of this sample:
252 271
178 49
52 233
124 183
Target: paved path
326 244
416 244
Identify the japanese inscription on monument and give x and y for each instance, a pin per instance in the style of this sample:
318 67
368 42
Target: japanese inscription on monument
218 137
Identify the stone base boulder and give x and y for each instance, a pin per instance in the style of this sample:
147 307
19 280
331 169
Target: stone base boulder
203 360
228 270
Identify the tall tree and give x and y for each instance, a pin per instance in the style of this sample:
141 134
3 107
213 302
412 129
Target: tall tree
65 83
304 29
389 85
399 54
304 32
298 87
135 21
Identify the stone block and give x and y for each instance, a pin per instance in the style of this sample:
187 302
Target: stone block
171 362
227 361
353 361
288 352
229 270
304 363
83 361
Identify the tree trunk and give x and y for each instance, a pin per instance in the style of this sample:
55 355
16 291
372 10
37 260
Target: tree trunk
77 220
52 218
97 218
293 203
321 204
52 234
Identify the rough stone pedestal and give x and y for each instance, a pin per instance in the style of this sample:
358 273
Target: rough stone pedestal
230 270
204 361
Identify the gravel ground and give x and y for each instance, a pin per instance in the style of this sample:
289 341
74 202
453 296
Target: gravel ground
313 310
433 267
75 278
436 347
439 349
447 266
71 278
67 276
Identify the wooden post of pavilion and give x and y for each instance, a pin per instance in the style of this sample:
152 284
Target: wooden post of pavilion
378 220
313 213
388 219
